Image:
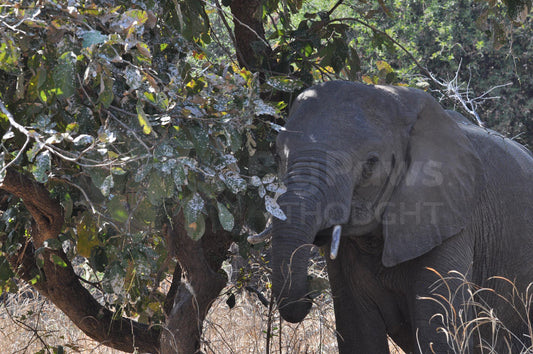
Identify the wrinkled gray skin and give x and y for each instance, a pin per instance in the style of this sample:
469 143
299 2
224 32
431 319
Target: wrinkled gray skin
414 187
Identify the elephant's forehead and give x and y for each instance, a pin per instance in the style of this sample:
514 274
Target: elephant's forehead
339 123
331 138
356 114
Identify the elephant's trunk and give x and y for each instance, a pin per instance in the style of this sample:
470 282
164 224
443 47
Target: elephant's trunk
291 246
318 196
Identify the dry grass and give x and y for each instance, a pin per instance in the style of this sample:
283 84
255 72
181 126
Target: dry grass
244 328
29 323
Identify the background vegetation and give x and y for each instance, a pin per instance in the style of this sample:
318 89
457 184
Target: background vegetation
137 137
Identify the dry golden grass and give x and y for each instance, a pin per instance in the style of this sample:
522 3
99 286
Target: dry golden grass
244 328
30 324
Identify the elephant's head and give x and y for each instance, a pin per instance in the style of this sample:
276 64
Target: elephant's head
368 158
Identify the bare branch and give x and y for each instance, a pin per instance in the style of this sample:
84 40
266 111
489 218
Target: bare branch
453 89
339 2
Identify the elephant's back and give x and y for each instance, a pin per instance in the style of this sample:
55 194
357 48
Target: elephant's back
504 227
505 232
508 158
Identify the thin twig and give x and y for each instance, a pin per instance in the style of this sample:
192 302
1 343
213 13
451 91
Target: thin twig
374 29
131 131
222 16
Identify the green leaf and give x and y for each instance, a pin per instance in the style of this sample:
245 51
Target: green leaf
234 182
87 235
273 208
130 20
196 229
200 138
106 185
113 281
163 151
58 260
64 75
31 153
193 208
145 213
5 270
41 167
68 206
117 209
226 218
9 55
262 108
182 140
143 119
159 188
142 172
106 93
93 37
194 20
179 175
52 243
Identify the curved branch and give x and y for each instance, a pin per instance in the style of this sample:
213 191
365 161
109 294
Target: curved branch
60 284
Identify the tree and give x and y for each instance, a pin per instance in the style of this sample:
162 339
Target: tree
115 151
138 144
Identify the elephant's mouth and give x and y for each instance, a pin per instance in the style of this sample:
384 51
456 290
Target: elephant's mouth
323 237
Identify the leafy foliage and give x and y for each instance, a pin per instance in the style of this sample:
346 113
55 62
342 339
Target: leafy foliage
127 123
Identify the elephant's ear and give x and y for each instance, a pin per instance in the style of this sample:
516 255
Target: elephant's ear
439 190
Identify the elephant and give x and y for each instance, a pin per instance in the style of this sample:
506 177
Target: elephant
427 218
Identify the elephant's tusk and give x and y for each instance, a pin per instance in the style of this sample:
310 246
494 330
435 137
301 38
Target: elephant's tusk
262 237
335 240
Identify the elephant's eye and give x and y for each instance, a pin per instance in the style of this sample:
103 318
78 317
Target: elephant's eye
368 167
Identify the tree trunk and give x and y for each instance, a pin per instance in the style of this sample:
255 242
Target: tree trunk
253 51
200 285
